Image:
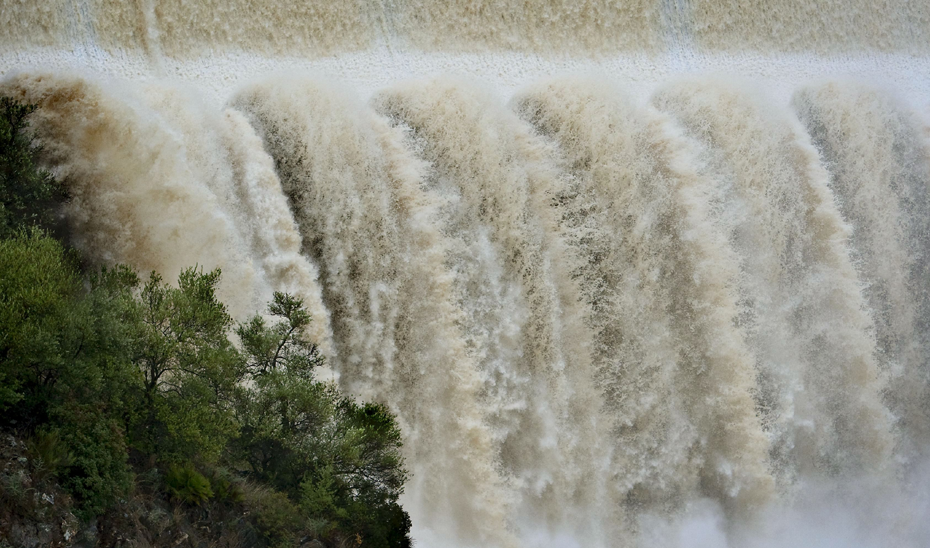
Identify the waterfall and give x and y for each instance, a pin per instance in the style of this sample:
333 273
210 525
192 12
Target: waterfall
879 170
639 273
801 302
676 375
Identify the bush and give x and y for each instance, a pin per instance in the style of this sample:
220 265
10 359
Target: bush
226 487
98 473
47 453
185 484
278 519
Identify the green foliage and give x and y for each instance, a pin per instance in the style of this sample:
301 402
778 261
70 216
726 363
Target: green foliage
341 460
185 484
190 369
226 486
47 453
106 368
64 364
283 346
37 286
278 519
27 192
98 473
57 341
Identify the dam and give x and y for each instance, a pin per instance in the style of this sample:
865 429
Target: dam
630 273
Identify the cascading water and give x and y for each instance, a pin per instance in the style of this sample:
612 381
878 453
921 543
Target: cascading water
621 308
799 296
880 173
676 375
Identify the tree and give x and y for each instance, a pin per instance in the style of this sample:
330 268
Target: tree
64 367
94 368
27 193
340 460
37 286
190 369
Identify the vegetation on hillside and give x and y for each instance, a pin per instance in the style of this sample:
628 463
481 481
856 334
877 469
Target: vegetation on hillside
131 402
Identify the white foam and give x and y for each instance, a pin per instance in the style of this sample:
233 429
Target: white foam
218 75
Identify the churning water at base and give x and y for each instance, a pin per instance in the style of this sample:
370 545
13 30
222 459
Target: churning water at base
686 314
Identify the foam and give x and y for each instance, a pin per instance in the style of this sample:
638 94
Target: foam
218 75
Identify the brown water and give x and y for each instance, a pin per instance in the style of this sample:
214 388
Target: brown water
691 313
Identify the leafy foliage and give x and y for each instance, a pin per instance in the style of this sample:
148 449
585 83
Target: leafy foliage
48 454
341 460
62 363
278 519
26 191
188 485
36 286
189 368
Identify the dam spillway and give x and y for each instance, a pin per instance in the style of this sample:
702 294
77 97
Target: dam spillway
629 274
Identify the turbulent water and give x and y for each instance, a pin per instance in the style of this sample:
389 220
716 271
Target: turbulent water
685 310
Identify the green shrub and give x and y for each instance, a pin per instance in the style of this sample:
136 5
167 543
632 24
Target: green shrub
187 485
226 487
47 454
278 519
98 473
